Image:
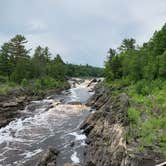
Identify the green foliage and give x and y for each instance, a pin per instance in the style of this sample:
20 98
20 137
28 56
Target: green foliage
18 66
57 69
24 83
151 129
133 115
162 65
44 83
7 87
146 62
47 82
142 88
127 44
3 79
142 72
38 72
83 71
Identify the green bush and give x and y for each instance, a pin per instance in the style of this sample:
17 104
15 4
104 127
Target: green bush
45 83
7 87
133 115
24 83
48 82
3 79
143 88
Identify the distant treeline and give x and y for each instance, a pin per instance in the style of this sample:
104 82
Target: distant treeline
83 71
17 65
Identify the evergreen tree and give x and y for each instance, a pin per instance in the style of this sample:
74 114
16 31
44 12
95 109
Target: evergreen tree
17 48
6 66
127 44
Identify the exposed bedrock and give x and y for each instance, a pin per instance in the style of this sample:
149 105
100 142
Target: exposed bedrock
106 131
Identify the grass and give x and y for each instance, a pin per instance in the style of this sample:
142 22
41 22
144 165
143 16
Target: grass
7 87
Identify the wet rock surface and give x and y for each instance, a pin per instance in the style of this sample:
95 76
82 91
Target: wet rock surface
10 104
105 129
74 103
48 158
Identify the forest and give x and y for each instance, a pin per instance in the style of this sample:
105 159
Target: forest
140 71
38 71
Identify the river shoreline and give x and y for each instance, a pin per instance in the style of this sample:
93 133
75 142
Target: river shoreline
107 130
17 99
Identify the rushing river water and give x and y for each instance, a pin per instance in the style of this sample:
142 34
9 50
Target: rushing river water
47 123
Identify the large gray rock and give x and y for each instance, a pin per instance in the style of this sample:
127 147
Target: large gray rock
105 130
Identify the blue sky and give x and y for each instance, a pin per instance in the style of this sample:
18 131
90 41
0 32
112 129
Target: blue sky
80 30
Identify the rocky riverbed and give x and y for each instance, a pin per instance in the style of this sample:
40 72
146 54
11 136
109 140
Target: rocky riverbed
46 131
17 99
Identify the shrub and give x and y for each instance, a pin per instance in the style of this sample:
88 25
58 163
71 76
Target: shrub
24 83
48 82
3 79
143 88
133 115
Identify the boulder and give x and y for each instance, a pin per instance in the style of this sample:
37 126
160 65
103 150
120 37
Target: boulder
72 144
48 158
21 99
92 81
74 103
10 104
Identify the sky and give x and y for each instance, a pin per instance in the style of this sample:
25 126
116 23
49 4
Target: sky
81 31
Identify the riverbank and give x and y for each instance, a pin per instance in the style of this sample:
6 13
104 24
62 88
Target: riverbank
16 99
108 131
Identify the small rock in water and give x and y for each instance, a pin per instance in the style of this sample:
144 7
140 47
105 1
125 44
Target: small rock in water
89 163
74 103
72 144
48 158
62 100
51 106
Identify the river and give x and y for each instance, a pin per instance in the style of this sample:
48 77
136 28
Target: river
51 122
